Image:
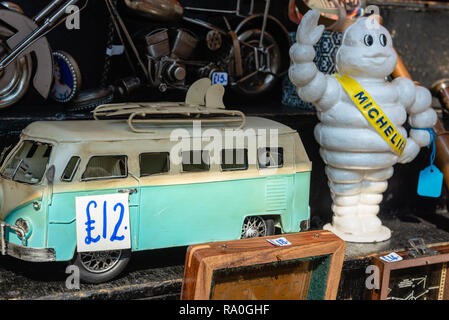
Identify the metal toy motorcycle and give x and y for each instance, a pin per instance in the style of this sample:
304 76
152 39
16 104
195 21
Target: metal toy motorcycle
250 56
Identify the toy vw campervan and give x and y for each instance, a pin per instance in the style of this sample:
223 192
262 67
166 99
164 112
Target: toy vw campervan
147 176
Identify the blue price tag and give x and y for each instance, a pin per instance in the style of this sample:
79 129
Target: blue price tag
280 242
220 78
430 182
392 257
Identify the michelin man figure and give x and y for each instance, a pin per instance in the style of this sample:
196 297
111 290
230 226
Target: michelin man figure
359 160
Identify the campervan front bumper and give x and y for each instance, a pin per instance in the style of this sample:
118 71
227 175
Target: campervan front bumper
21 251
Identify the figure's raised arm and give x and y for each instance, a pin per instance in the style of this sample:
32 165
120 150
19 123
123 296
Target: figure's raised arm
417 101
312 85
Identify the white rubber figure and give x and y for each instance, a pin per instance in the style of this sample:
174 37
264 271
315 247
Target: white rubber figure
358 160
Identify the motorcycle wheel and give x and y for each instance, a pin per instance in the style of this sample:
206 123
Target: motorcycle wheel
14 79
255 82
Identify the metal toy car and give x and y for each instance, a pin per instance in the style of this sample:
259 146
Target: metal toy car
93 191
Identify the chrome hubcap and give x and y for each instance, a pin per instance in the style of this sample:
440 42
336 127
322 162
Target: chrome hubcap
254 227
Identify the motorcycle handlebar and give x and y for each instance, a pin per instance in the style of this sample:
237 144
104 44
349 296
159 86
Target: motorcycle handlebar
50 7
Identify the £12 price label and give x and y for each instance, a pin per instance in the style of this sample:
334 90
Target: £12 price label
102 222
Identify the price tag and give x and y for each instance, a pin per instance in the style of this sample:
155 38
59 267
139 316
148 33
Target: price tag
220 78
392 257
430 182
102 222
280 242
115 50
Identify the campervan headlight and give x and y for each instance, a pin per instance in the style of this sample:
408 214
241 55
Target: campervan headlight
25 226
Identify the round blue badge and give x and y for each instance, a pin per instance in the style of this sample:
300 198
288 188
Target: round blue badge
67 77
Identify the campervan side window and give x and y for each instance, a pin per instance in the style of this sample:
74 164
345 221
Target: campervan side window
154 163
195 161
234 159
106 167
70 169
270 158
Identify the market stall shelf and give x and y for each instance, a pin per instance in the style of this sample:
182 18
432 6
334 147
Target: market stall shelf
159 275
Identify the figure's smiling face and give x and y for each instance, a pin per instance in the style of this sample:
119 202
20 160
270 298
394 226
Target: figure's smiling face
367 50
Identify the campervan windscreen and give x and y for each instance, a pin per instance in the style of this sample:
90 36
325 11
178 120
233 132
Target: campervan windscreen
28 163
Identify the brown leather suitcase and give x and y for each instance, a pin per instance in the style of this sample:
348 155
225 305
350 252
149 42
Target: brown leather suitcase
255 269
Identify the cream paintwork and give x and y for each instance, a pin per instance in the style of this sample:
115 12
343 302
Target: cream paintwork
17 194
102 137
118 130
175 176
197 92
358 161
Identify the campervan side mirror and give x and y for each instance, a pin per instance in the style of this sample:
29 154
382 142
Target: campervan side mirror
50 174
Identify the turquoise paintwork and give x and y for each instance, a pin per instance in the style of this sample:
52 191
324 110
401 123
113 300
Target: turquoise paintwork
215 211
37 219
176 215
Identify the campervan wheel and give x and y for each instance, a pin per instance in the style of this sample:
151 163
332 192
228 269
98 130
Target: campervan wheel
256 226
101 266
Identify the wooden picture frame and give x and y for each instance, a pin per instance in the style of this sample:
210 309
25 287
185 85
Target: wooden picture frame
247 269
423 277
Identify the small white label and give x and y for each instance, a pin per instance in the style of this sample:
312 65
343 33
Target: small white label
220 78
392 257
115 50
280 242
102 222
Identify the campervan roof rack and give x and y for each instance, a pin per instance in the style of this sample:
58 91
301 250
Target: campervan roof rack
142 114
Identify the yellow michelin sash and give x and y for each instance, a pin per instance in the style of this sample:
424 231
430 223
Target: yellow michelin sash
373 113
